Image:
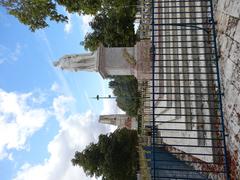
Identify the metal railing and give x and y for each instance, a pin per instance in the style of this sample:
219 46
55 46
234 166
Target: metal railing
183 101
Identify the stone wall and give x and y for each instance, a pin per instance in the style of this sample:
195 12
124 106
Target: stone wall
228 28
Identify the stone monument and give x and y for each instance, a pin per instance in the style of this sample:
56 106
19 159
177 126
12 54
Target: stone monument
111 61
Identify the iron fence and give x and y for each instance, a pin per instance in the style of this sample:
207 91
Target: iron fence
183 100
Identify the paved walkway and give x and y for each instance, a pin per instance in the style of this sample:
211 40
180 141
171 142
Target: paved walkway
170 168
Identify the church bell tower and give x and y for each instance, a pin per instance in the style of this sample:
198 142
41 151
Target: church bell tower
120 120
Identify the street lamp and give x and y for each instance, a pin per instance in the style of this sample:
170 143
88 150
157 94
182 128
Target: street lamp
104 97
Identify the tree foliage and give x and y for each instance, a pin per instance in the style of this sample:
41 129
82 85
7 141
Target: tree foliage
36 13
33 13
113 25
125 88
113 157
90 7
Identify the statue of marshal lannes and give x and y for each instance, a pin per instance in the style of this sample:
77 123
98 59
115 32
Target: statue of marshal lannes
111 61
77 62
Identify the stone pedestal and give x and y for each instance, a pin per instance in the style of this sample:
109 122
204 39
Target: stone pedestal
125 60
142 70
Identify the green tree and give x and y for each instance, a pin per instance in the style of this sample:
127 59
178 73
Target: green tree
33 13
36 13
125 88
81 6
90 159
113 157
113 26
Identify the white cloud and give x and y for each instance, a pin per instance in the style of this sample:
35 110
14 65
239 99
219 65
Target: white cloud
76 131
68 25
136 26
84 22
43 38
10 157
88 100
109 105
9 55
55 87
62 105
19 119
85 19
15 54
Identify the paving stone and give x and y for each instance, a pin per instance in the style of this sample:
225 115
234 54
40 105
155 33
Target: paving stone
231 26
234 52
231 8
237 33
222 21
236 76
227 69
220 6
225 44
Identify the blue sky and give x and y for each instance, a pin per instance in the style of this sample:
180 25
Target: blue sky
46 114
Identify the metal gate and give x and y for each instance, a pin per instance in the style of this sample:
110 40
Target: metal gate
184 104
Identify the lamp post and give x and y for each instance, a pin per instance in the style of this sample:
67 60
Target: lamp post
104 97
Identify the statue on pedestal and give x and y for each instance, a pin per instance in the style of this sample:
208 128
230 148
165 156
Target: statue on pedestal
111 61
77 62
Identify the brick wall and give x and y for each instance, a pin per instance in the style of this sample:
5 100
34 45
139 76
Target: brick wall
227 14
